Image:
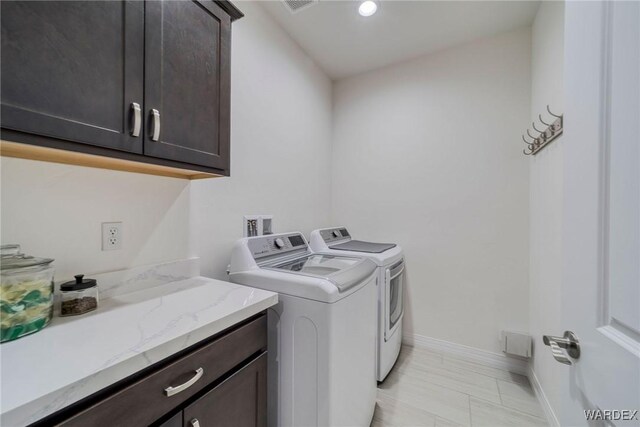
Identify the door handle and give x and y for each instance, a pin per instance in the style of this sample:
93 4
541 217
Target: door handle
155 117
170 391
557 353
568 342
137 119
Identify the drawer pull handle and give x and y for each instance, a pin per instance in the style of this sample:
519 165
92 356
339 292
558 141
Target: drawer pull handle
137 119
195 423
170 391
155 116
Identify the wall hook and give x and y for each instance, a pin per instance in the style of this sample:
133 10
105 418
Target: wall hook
536 129
552 131
530 144
554 115
542 121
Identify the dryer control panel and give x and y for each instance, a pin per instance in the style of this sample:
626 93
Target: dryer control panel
331 235
277 244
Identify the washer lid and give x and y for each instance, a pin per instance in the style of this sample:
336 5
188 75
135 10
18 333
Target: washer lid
344 272
366 247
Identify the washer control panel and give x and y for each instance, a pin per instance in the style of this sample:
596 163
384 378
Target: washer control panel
265 246
331 235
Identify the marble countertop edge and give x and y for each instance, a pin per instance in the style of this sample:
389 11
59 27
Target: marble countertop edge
168 326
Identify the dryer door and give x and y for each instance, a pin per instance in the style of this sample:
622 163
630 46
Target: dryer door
394 304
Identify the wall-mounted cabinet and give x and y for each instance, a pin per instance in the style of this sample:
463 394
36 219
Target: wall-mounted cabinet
143 85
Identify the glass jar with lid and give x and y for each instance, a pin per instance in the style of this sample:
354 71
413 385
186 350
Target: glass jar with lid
78 296
26 293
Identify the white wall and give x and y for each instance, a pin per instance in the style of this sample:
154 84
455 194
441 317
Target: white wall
547 58
280 152
56 211
281 143
427 154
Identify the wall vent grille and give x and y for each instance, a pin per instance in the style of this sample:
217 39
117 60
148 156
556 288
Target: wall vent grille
295 6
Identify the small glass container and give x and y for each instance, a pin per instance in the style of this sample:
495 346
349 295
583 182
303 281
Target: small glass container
26 293
78 296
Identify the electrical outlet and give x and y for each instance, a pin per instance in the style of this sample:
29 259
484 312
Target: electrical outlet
111 236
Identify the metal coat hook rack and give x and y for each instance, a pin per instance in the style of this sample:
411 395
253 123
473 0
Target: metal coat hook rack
545 135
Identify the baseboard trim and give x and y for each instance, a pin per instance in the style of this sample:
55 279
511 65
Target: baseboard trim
542 398
483 357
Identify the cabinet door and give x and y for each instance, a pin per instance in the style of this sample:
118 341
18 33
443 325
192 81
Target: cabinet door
240 401
175 421
187 77
72 70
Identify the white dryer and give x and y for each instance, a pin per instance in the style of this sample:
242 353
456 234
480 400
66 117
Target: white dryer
322 334
389 259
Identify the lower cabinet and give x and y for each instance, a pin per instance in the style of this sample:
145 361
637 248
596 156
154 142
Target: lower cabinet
240 401
174 421
219 382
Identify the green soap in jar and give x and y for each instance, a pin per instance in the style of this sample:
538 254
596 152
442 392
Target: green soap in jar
26 293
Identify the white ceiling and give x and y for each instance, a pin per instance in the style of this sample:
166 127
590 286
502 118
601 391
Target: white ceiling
344 43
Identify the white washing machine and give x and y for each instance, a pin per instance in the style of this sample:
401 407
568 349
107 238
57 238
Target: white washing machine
389 259
322 335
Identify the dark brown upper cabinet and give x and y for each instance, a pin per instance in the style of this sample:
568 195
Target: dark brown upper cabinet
71 70
143 85
187 77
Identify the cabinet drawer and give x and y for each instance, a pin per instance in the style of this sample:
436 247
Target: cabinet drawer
146 400
240 401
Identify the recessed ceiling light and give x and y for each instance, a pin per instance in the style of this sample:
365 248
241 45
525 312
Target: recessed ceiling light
367 8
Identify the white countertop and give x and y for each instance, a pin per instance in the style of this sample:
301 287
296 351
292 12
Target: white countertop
76 356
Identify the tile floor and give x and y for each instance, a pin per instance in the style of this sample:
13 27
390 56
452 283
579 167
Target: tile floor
426 388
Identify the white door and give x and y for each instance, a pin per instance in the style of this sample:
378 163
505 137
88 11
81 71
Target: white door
601 229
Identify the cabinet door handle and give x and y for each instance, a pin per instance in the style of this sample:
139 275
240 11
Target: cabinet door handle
170 391
155 115
137 119
194 422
